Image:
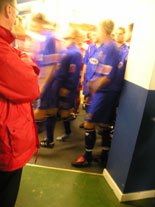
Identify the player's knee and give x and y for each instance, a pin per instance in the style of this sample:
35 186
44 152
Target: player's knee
88 125
51 112
105 133
65 114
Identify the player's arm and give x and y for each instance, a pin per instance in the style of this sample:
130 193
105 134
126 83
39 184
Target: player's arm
103 81
95 85
51 69
62 75
83 74
85 61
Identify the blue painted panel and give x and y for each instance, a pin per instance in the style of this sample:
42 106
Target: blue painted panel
141 176
130 113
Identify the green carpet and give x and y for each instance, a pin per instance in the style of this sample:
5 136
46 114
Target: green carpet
41 187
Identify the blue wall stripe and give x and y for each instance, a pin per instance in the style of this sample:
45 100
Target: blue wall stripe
130 113
141 176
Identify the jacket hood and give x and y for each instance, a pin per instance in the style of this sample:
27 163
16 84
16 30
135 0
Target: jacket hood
6 35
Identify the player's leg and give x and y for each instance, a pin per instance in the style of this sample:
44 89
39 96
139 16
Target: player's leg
90 133
75 111
90 139
66 103
87 105
65 116
106 142
111 99
48 141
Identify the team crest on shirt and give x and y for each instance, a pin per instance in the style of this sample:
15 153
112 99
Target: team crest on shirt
100 54
93 61
72 68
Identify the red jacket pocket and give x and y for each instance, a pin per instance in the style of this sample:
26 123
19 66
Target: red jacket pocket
21 136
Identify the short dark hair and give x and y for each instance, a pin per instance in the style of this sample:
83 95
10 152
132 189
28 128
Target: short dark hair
3 2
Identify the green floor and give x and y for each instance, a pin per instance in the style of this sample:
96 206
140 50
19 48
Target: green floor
42 187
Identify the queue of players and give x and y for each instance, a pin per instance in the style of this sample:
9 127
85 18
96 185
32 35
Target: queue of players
66 68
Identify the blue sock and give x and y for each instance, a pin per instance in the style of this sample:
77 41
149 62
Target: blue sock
50 126
90 139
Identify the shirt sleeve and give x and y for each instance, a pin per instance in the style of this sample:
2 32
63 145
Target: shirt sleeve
69 73
63 70
86 57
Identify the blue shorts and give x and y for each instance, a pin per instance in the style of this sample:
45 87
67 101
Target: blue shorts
51 99
102 107
50 96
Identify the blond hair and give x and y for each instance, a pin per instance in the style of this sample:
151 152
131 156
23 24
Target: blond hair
76 35
40 18
107 25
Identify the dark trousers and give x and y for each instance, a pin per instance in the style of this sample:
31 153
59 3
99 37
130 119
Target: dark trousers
9 186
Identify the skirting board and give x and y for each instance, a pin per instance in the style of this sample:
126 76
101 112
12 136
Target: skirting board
122 197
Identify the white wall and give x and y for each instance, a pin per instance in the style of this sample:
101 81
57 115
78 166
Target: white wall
152 83
141 58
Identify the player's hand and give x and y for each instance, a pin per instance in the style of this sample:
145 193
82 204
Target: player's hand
96 84
93 86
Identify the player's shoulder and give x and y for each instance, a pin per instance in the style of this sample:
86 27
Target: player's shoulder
112 44
72 52
112 47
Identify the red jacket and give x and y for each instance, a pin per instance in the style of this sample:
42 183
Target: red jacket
18 88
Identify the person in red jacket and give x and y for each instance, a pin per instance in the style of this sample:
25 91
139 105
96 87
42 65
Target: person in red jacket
18 89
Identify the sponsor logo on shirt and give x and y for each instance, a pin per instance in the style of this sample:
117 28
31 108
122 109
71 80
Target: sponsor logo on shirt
93 61
72 68
104 69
